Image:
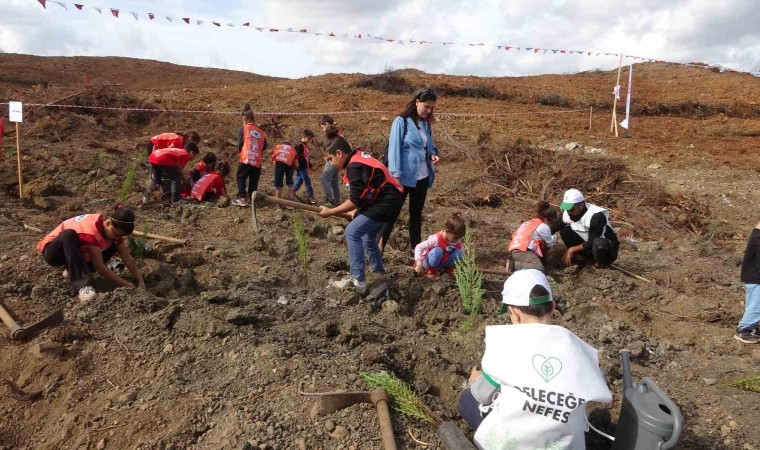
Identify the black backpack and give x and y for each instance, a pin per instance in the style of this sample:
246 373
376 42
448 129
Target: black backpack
384 159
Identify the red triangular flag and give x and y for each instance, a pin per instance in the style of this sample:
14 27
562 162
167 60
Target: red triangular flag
273 30
151 16
247 24
216 23
303 30
187 20
79 7
42 2
535 50
507 48
115 12
562 51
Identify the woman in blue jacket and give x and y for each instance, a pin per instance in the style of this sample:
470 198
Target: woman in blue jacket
411 158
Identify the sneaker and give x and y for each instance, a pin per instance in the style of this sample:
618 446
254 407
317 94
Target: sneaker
145 200
348 283
756 331
312 200
87 293
65 273
746 336
240 202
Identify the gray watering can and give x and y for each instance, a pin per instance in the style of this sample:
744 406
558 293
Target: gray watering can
648 420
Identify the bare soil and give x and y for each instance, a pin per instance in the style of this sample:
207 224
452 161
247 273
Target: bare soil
214 353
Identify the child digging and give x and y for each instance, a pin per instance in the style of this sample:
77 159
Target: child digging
440 252
376 198
304 165
210 186
252 142
285 161
84 244
166 166
532 239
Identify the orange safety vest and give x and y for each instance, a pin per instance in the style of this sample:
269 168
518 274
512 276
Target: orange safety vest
253 145
370 192
166 140
209 183
169 157
284 153
521 238
447 247
89 227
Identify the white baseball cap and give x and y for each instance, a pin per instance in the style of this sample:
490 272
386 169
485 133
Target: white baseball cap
572 196
518 286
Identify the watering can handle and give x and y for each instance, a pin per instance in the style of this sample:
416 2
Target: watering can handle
675 411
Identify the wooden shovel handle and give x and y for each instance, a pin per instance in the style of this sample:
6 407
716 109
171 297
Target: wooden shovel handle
263 198
380 399
17 331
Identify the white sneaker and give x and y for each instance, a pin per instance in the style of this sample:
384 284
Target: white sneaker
87 293
348 283
240 202
145 200
65 273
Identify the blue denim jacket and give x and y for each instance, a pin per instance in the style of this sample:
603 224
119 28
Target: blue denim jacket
404 152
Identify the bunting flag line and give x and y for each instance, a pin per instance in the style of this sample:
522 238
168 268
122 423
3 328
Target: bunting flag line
535 50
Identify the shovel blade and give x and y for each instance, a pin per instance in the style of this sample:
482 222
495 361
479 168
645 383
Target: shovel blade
329 403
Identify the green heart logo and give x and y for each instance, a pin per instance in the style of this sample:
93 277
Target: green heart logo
548 368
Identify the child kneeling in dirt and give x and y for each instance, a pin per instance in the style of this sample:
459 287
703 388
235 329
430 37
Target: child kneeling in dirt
211 185
83 245
285 161
376 197
532 239
511 403
440 252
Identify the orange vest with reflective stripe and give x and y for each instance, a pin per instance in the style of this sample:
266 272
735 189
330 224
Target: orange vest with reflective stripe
89 227
253 145
521 238
369 191
447 247
166 140
284 153
169 157
209 183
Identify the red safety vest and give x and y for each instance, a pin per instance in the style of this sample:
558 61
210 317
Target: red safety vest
447 247
521 238
370 192
166 140
90 229
169 157
253 145
284 153
209 183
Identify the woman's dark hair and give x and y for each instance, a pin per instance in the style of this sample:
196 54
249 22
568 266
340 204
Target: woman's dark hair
209 158
456 226
423 95
308 133
326 119
191 148
331 132
223 168
123 219
192 136
541 309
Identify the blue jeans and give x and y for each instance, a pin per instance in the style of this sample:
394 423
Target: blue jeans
751 308
330 183
433 259
361 235
302 177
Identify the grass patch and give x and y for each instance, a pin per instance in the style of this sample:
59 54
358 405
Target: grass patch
403 399
386 82
751 384
554 99
479 91
469 281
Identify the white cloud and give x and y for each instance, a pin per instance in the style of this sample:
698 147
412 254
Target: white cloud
723 32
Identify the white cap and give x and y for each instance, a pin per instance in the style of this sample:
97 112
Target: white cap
572 196
518 286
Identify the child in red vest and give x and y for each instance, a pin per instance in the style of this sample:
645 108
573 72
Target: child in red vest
83 245
252 142
176 140
285 161
210 185
166 166
304 164
440 252
534 237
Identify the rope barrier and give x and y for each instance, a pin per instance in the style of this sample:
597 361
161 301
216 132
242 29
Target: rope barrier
287 113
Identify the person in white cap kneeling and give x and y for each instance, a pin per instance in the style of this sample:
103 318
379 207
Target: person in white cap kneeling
587 230
536 377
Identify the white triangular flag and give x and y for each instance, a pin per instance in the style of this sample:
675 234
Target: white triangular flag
624 123
99 10
61 4
134 14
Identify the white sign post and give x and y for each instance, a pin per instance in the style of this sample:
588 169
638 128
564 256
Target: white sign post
624 123
16 114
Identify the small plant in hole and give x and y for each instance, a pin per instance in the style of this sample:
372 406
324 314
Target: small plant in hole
469 281
138 247
302 239
129 183
403 399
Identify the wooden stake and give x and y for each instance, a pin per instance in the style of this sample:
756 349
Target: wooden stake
631 274
159 237
18 157
494 271
614 125
590 115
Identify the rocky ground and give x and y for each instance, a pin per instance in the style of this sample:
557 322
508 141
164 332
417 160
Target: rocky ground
215 353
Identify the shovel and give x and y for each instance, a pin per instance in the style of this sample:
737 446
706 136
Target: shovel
18 332
260 197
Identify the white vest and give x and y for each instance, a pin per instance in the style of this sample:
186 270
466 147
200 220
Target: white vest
581 227
547 375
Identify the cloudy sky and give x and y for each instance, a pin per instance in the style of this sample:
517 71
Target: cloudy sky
723 32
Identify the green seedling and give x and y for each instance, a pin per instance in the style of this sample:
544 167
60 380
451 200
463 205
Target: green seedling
129 183
302 239
469 280
403 399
